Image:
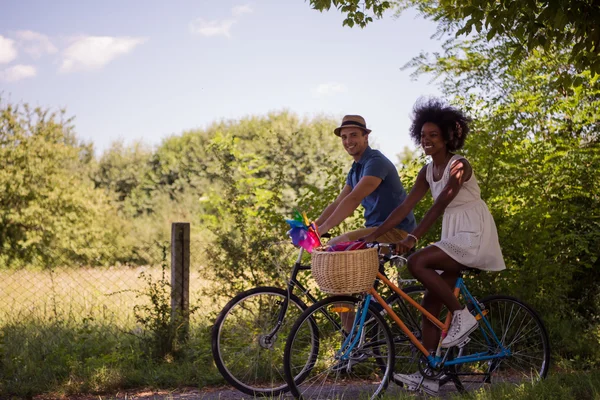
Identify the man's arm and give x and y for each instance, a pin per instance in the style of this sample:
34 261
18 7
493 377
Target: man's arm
331 208
349 203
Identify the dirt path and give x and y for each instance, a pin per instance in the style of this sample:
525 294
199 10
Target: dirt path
222 393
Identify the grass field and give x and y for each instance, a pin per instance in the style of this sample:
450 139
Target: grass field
106 295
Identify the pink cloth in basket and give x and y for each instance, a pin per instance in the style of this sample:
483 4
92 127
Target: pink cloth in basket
347 246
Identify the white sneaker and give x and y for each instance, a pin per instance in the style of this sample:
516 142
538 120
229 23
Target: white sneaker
463 323
416 381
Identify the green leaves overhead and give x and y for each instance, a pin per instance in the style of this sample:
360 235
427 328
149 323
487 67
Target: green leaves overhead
356 11
526 25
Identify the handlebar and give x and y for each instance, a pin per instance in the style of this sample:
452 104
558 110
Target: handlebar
392 247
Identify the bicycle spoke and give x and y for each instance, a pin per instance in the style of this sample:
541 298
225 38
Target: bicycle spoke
519 331
360 375
242 354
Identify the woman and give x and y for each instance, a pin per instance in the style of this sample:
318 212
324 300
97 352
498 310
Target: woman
469 236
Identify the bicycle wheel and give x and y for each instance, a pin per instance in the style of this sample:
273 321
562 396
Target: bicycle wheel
364 375
241 349
521 331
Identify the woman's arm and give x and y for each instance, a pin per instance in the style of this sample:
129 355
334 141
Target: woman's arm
417 192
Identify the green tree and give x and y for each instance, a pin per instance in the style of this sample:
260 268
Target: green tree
49 210
527 25
264 168
121 168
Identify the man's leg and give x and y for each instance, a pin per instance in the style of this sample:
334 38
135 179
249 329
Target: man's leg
392 236
351 236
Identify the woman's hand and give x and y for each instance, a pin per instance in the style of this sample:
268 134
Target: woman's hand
405 245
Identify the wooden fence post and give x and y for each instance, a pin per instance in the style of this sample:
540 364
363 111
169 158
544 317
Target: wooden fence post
180 275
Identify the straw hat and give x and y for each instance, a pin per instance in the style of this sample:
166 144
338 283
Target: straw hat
350 121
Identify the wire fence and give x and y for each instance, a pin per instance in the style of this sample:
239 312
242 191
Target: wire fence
106 295
58 290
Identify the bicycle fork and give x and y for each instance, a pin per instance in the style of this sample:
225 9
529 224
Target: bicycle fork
356 335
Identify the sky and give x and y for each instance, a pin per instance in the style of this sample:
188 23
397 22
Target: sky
145 70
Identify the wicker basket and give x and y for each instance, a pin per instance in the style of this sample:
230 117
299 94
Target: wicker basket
345 272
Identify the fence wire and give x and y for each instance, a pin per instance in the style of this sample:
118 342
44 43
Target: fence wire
107 295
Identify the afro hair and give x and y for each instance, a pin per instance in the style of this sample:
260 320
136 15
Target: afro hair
453 123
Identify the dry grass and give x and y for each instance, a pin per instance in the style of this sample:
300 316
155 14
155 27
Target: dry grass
108 294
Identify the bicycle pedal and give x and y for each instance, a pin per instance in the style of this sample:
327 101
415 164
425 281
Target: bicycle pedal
463 343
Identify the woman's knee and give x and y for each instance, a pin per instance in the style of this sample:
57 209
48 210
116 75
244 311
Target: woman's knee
414 264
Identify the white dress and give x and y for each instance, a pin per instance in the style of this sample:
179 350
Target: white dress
469 233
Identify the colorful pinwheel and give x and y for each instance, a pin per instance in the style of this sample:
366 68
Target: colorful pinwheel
303 232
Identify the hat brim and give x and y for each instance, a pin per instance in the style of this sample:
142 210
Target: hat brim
339 128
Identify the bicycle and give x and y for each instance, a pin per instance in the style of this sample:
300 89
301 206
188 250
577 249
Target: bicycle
510 345
246 337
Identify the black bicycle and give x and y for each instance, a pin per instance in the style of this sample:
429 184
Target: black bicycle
249 335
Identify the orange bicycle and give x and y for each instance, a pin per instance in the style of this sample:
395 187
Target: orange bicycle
510 345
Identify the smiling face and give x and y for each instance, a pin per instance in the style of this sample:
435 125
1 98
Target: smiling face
355 141
432 139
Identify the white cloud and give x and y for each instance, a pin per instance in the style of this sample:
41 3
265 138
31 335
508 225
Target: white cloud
35 44
221 27
329 89
17 73
212 28
239 10
8 52
93 52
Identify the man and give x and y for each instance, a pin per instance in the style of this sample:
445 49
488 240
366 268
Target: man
372 181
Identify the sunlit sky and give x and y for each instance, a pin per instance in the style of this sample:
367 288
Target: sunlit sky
144 70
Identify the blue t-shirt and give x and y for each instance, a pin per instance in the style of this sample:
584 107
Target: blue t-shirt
389 194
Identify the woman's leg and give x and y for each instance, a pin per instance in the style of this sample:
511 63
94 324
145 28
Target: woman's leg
423 265
432 303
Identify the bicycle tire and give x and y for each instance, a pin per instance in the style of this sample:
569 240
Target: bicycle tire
522 331
232 334
328 376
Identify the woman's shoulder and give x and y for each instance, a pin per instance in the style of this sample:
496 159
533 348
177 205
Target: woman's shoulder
460 163
459 158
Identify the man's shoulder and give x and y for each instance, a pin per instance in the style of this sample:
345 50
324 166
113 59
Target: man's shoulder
378 158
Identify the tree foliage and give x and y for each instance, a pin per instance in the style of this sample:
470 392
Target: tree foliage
263 169
527 25
49 210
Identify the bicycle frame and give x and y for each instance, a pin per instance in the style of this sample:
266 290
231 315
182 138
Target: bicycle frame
434 360
292 282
